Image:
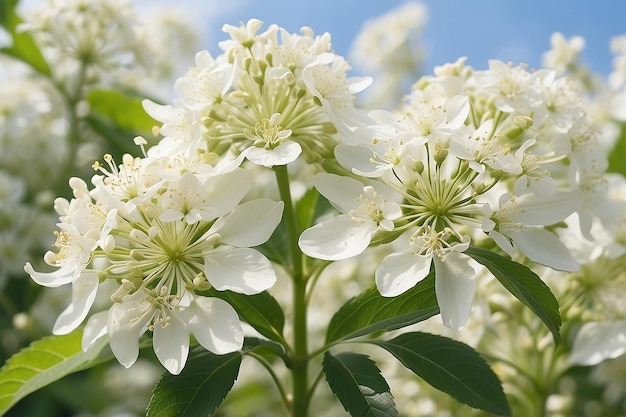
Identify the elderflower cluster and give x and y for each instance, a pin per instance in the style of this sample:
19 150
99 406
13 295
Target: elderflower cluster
171 227
100 33
389 47
498 157
165 231
269 97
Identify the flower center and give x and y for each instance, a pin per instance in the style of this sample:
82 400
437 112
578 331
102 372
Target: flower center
268 133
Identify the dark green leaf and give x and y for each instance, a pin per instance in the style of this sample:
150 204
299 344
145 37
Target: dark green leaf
43 362
199 389
451 367
266 348
525 285
370 311
261 311
356 381
276 248
123 108
23 47
306 208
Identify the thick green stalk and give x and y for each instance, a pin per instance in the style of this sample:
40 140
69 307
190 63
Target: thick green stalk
300 360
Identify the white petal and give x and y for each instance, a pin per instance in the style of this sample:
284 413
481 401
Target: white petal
283 154
64 275
502 241
250 224
399 272
125 325
598 341
95 328
171 215
83 295
242 270
544 211
337 238
171 344
544 247
357 158
455 286
227 190
340 191
158 112
457 109
215 324
358 84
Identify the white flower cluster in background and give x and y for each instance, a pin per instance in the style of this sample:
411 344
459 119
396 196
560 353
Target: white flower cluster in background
504 154
389 47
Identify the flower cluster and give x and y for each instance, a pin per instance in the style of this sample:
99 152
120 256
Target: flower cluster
269 97
98 33
171 225
166 231
389 46
497 157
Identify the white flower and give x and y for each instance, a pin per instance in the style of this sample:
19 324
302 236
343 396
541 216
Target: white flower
240 268
436 122
564 53
269 145
455 282
75 253
193 200
598 341
481 149
171 318
206 83
521 220
512 88
365 210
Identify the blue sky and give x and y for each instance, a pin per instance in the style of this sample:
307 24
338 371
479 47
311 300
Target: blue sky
513 30
510 30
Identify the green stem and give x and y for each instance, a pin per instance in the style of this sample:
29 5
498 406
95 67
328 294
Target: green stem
275 378
72 98
300 360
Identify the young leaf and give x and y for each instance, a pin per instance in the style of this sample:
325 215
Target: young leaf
42 363
356 381
23 47
124 109
451 367
199 389
616 156
370 311
261 311
525 285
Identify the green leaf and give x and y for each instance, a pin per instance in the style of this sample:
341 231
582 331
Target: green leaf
199 389
24 47
525 285
306 208
118 116
356 381
370 311
42 363
266 348
261 311
124 108
120 139
617 162
451 367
